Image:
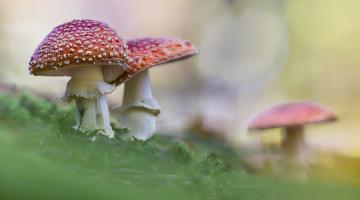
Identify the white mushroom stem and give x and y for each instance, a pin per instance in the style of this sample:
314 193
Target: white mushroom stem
294 148
88 89
294 142
139 109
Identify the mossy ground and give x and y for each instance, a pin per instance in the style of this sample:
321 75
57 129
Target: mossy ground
42 157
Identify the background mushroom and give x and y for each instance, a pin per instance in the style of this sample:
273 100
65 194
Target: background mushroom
139 109
292 117
92 54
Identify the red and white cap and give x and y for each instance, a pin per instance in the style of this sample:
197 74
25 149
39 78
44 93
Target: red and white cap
148 52
291 114
80 43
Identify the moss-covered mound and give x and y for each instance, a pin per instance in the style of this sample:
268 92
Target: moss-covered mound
42 157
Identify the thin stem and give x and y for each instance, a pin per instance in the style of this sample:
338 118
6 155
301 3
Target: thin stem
294 147
138 88
92 114
105 115
91 73
92 110
294 141
87 111
139 109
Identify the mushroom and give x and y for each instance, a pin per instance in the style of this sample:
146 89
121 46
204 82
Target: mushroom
292 117
93 55
139 110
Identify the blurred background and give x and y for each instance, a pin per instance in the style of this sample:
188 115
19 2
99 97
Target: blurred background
253 54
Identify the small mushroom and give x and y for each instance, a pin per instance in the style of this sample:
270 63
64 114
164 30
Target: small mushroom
139 110
93 55
292 117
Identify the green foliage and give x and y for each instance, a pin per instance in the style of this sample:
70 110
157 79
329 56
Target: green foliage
52 126
213 164
182 153
42 157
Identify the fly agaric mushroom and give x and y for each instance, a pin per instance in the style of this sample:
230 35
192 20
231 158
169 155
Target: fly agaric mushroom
292 117
93 55
139 110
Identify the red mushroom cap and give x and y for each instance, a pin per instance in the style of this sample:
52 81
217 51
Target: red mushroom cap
291 114
79 43
148 52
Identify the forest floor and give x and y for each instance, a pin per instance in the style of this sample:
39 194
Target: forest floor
42 157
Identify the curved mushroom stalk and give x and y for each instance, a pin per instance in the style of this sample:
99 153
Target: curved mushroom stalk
88 90
139 111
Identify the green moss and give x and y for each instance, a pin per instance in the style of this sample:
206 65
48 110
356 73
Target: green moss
182 153
42 157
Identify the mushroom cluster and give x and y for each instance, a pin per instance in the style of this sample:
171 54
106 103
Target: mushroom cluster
97 59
